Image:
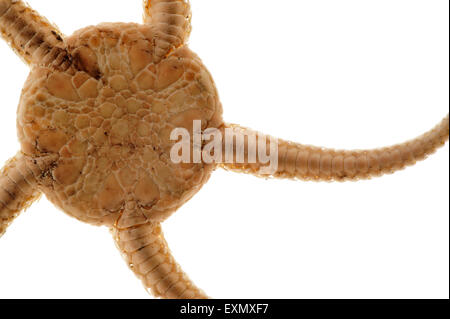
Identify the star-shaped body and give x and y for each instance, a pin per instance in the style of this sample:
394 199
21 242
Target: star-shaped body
95 121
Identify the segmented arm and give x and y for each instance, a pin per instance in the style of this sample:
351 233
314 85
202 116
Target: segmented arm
147 254
320 164
32 36
17 190
172 21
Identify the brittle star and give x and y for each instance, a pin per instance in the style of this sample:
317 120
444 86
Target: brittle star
94 125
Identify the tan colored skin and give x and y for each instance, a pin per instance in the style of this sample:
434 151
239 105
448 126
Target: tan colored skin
94 122
311 163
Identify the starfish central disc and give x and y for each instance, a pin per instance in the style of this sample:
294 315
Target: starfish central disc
108 119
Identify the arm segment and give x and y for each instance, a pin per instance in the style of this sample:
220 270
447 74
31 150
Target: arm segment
319 164
172 21
147 253
32 36
17 190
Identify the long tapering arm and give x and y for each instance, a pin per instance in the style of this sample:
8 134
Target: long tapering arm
172 21
320 164
147 254
31 36
17 189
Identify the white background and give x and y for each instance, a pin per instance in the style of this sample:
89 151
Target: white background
344 74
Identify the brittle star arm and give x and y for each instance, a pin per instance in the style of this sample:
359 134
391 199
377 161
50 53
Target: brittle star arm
172 22
32 36
147 254
297 161
18 189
